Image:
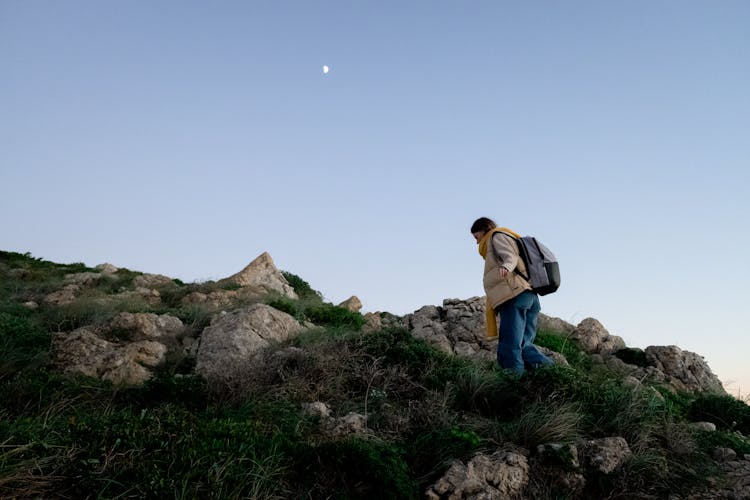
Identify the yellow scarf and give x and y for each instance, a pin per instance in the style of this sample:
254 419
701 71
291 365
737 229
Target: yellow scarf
490 319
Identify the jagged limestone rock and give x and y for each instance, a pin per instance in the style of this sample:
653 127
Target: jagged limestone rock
352 304
123 351
86 353
262 275
140 326
83 279
554 324
604 455
502 475
686 370
317 409
351 423
595 339
458 327
151 280
107 268
64 296
379 320
214 300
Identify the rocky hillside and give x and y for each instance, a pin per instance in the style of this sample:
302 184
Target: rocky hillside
116 383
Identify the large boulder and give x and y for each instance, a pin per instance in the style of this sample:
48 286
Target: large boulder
595 339
141 326
84 352
685 370
83 279
261 275
234 338
352 304
670 367
375 321
63 296
151 280
212 300
604 455
455 328
502 475
124 351
107 269
553 324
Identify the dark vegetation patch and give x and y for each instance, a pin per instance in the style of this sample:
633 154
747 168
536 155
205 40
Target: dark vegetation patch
633 356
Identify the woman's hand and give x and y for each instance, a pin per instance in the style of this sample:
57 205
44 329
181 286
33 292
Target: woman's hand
503 272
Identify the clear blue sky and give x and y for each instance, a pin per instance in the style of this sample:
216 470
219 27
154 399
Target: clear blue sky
185 138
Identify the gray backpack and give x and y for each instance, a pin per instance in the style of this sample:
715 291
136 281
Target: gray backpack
541 265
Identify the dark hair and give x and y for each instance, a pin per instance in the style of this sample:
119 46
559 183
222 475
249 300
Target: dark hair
483 224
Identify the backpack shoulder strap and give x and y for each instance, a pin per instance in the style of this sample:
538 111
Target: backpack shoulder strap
521 252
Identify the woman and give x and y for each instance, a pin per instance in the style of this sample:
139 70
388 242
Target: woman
509 296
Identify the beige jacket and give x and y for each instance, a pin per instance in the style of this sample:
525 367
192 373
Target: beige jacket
503 252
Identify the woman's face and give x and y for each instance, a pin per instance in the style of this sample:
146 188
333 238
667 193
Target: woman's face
478 235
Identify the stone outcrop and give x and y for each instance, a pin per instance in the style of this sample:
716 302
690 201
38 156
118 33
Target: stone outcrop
147 326
455 328
352 304
213 300
234 338
83 279
502 475
458 327
380 320
593 338
336 428
107 269
262 276
64 296
123 351
349 424
553 324
685 370
151 281
317 409
604 455
672 367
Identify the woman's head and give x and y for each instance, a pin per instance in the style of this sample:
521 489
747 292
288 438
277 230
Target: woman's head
481 227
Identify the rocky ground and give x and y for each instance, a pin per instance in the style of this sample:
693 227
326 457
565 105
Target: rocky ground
128 348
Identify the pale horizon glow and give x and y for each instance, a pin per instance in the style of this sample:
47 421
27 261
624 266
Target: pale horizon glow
186 138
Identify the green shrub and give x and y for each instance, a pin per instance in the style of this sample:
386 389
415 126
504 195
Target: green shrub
725 411
321 314
546 422
289 306
493 394
23 344
40 269
330 315
431 452
158 452
709 441
355 468
302 288
91 308
560 343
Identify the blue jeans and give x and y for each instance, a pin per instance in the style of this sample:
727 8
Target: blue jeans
515 347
